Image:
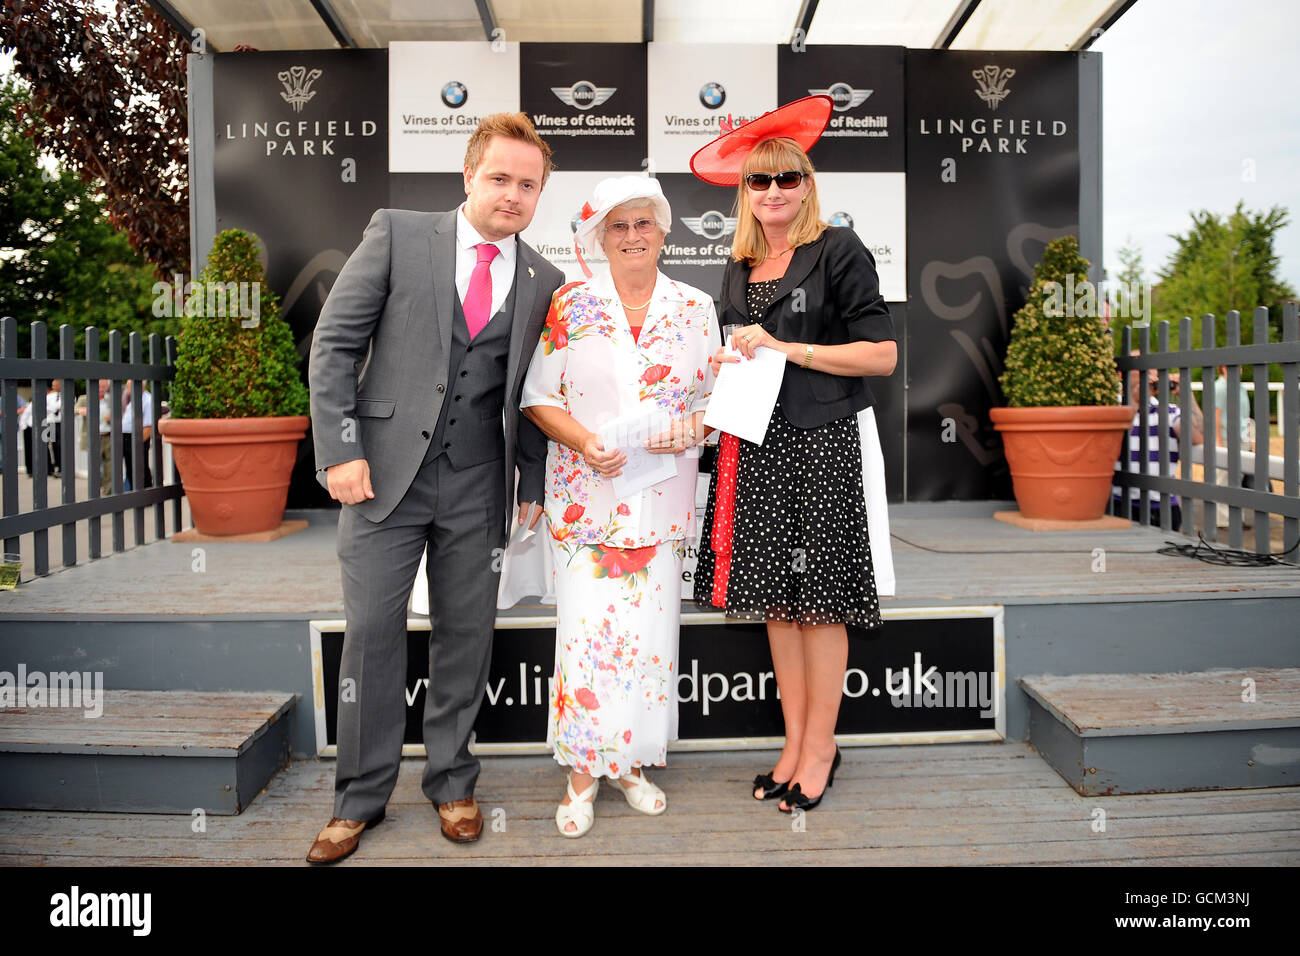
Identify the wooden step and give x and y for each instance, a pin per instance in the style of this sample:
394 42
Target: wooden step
1152 733
147 752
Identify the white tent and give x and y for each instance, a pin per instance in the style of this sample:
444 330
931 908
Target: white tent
372 24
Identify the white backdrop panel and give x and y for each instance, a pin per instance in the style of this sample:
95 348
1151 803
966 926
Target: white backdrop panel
437 93
692 86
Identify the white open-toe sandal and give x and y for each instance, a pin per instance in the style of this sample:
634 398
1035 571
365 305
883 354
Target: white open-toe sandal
643 794
581 809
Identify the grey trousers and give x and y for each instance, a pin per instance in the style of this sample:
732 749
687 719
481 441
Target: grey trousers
458 514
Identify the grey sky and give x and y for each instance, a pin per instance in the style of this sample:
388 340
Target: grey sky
1193 89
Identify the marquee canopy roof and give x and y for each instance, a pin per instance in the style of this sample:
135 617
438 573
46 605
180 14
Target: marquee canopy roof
372 24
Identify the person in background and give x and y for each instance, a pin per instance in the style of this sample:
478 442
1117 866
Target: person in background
1148 417
1245 426
105 436
128 431
53 416
25 427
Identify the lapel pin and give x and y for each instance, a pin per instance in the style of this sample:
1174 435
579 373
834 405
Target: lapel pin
531 273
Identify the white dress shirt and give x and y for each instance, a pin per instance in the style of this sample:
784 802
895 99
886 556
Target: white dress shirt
502 269
128 413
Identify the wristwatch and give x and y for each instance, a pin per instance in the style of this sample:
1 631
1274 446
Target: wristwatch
807 356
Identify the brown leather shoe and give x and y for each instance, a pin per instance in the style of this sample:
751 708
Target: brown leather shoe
462 820
339 839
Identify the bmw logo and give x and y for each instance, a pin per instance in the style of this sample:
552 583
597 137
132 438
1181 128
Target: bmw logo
454 94
841 219
712 95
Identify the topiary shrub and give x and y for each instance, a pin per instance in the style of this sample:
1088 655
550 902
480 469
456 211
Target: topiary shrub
1060 353
235 356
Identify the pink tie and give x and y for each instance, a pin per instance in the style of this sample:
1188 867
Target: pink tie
478 297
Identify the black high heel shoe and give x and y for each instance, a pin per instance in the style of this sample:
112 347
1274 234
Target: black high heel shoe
796 797
771 789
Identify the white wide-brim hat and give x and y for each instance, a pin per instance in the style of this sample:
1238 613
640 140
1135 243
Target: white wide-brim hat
611 193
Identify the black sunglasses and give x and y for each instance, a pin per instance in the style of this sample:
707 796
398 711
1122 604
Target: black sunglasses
786 180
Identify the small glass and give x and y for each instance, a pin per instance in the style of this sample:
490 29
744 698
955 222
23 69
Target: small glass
10 568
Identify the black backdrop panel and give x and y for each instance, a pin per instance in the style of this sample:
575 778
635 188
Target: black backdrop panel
992 175
698 255
282 171
588 101
426 192
725 685
868 137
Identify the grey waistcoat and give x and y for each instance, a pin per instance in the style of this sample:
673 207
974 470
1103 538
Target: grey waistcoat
469 430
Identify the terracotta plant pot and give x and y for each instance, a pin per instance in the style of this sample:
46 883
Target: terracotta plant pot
235 470
1063 459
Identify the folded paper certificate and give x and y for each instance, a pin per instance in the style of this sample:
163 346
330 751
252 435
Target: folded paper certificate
745 394
629 434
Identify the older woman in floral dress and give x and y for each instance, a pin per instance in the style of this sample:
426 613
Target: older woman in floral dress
626 342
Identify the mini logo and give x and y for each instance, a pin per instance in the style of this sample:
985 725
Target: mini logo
992 84
454 94
712 95
711 225
583 95
297 86
844 96
840 219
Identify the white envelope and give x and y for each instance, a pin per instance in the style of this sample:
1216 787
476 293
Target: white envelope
745 394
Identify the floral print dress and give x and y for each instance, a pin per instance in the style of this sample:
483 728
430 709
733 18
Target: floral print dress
618 560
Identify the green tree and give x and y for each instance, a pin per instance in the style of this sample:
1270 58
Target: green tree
109 83
1222 263
1129 292
60 258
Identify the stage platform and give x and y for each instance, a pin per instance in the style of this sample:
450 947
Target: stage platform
962 804
945 553
233 616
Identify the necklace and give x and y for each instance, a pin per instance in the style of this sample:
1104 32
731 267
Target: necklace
636 308
778 255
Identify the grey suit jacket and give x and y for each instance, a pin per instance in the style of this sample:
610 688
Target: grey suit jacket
381 350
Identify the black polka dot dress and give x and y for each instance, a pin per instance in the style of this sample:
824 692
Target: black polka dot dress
799 549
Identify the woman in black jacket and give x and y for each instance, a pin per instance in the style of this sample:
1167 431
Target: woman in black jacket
785 533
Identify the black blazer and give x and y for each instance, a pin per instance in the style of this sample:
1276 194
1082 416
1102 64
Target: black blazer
840 302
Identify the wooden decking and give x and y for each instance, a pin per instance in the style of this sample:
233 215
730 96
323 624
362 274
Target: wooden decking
941 556
984 804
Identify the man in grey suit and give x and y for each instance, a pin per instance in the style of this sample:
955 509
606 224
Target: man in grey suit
440 312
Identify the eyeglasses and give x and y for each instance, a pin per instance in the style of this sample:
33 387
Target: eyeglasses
786 180
643 226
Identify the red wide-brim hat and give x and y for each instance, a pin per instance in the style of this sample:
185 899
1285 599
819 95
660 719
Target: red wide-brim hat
803 121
